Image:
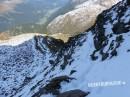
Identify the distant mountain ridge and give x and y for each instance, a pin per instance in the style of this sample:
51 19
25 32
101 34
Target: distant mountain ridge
81 18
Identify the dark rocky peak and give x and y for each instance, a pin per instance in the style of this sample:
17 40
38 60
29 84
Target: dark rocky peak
45 43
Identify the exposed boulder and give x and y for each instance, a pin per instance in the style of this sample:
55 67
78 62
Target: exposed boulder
79 19
73 93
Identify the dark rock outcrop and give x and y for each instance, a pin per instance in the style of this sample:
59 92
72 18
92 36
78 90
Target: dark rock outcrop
53 86
73 93
116 25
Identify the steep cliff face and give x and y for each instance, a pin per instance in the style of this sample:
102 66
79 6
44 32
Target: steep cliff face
46 67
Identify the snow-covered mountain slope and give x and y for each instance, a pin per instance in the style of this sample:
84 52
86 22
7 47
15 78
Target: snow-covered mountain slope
95 62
